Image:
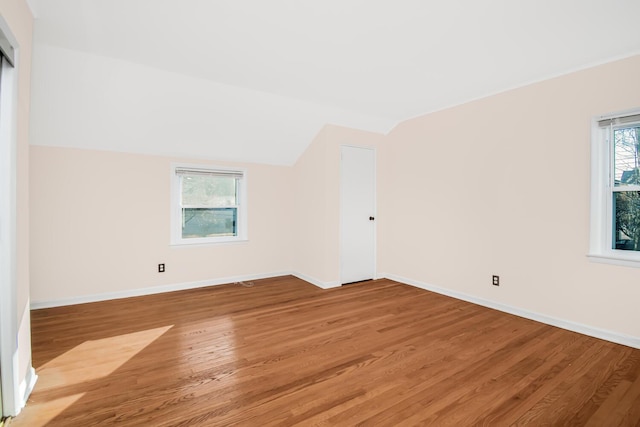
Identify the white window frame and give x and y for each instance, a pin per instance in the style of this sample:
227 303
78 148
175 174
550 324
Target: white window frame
176 209
601 222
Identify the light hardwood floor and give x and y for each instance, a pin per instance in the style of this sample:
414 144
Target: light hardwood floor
284 352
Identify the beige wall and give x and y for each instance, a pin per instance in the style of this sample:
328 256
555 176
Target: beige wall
100 224
317 203
100 221
495 186
20 20
311 257
501 186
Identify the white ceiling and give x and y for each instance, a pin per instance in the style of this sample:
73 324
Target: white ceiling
383 60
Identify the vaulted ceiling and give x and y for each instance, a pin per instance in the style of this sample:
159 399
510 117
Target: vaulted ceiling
363 63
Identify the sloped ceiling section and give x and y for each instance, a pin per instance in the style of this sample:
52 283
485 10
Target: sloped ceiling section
255 80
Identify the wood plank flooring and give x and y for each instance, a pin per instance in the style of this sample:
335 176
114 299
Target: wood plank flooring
284 352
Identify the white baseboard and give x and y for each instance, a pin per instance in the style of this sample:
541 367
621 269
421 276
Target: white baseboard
549 320
35 305
26 386
561 323
316 282
383 276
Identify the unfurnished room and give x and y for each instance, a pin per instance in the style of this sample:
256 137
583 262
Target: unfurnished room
319 213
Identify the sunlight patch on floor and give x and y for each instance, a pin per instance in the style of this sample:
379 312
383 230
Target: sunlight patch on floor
48 410
94 359
60 379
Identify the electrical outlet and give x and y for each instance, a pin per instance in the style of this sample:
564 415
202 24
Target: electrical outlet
496 280
161 268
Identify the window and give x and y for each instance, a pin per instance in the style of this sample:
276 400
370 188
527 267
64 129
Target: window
208 205
615 189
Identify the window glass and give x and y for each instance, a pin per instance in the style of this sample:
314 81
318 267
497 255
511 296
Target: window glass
626 196
209 222
626 156
205 191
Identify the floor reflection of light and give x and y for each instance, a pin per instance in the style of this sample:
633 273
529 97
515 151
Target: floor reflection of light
95 359
217 340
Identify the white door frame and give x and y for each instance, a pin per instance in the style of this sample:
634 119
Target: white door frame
375 209
11 401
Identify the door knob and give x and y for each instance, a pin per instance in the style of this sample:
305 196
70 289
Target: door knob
371 218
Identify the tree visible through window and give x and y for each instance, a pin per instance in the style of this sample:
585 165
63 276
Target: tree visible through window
626 188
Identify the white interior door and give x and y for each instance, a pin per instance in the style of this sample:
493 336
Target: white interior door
357 212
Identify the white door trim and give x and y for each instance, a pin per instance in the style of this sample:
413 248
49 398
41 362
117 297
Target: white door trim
11 399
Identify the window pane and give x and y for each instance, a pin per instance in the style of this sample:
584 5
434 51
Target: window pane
626 153
207 222
626 210
208 191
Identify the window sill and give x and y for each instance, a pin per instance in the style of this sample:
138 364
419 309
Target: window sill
204 244
615 259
